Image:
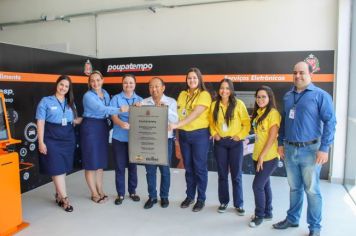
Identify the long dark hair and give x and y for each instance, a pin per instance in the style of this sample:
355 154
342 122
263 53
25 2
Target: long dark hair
232 103
271 104
201 84
69 96
93 73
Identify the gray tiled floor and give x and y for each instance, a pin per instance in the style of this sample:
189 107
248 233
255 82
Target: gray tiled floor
131 219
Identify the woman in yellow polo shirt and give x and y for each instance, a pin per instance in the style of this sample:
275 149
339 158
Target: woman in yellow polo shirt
265 122
229 125
193 111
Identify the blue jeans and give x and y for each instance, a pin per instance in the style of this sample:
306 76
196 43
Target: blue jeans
229 158
121 157
303 175
194 146
262 188
151 171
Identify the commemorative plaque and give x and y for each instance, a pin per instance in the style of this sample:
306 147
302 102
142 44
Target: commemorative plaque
148 140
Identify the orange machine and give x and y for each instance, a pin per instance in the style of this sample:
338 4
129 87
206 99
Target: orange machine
10 193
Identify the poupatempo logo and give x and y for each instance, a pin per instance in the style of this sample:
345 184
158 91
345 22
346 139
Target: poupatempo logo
130 67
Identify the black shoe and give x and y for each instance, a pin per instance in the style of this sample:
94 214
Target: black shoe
58 199
164 202
312 233
240 211
150 202
255 221
118 200
222 208
135 197
198 206
64 203
284 224
268 217
186 203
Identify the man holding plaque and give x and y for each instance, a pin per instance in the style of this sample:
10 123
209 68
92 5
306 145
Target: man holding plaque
156 89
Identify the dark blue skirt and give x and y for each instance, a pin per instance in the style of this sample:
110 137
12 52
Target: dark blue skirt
60 142
94 143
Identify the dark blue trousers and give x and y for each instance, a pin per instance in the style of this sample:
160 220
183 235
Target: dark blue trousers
262 188
151 176
194 146
121 157
229 157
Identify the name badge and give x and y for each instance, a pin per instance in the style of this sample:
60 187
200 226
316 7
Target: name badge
64 121
224 127
184 112
292 113
54 108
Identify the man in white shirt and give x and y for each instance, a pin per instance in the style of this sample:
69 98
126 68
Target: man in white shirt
156 88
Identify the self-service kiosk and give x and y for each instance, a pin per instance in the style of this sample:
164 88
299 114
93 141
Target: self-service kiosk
10 191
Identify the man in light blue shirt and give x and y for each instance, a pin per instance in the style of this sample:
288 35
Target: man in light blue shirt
306 133
156 88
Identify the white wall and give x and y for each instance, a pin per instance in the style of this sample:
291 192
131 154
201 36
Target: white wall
341 90
242 26
78 36
246 26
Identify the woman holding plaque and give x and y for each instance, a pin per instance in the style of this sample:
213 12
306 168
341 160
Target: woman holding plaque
229 125
193 111
56 116
120 138
94 135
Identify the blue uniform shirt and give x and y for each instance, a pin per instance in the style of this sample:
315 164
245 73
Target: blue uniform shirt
117 101
52 110
95 107
314 117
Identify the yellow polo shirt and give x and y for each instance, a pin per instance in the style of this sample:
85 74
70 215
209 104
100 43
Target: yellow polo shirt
239 124
186 105
262 131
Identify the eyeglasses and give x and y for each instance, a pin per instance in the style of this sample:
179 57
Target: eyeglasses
261 97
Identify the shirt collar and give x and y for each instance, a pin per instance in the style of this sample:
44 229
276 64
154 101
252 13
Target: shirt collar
132 97
102 90
163 99
195 92
310 87
260 111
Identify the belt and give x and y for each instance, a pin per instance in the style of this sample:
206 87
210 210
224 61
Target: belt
227 137
302 144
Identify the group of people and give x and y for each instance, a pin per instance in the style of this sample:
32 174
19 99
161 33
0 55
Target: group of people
301 135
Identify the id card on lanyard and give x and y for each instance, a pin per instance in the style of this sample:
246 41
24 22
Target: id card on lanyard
64 119
293 110
224 126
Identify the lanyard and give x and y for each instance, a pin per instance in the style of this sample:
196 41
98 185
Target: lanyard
127 101
103 100
296 101
191 99
222 110
64 107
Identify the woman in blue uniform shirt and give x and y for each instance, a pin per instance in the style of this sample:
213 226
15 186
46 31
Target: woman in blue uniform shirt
94 135
120 138
56 116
